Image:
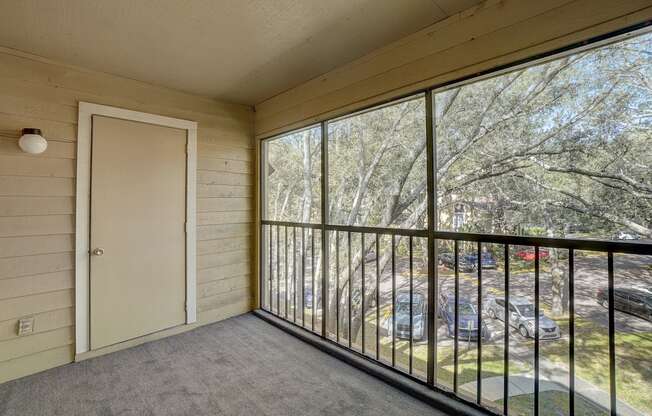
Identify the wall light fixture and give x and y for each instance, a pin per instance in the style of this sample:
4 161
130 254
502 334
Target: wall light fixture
32 141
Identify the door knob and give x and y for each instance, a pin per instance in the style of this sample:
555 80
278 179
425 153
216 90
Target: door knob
98 251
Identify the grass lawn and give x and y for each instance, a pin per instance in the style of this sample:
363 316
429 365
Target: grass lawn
633 361
492 363
551 402
633 373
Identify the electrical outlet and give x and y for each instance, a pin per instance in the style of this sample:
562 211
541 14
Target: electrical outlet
25 326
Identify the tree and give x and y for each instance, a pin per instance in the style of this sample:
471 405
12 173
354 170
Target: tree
563 146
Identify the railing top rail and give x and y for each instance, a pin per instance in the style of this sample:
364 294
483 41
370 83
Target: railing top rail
292 224
353 228
628 247
625 247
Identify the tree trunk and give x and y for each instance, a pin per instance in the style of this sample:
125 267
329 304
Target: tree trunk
384 261
559 286
557 275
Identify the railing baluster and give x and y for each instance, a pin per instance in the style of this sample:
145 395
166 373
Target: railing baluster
479 327
457 314
612 334
411 343
262 293
349 286
393 301
312 278
536 330
506 352
303 277
337 287
271 267
377 297
278 271
571 330
362 306
325 281
294 274
286 272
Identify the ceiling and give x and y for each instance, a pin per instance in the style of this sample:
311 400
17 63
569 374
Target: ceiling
242 51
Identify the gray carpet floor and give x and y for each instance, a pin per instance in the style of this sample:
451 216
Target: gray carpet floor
240 366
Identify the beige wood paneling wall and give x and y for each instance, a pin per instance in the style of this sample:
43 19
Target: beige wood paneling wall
495 33
37 195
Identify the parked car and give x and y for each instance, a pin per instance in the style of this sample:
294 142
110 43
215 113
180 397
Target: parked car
625 235
356 299
402 310
464 263
307 296
487 259
528 254
521 316
629 300
370 256
468 321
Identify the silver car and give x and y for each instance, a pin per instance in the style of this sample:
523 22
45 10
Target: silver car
521 316
402 324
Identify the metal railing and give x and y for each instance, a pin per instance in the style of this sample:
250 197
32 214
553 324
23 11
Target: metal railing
298 247
338 238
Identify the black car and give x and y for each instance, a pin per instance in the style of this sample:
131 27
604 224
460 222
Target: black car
465 263
488 260
633 301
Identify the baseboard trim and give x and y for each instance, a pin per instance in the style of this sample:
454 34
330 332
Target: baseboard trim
134 342
439 399
164 333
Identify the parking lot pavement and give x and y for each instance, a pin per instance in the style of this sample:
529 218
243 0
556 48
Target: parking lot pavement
590 274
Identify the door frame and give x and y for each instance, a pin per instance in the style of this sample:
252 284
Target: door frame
82 211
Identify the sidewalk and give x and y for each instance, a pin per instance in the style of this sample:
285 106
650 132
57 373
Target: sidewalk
492 387
553 377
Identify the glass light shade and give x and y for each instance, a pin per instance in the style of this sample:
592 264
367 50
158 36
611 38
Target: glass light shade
32 141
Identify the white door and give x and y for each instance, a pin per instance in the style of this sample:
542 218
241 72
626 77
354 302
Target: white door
137 229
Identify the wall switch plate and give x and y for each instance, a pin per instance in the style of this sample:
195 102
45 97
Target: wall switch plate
25 326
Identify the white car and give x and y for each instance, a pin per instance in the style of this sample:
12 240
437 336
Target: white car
624 235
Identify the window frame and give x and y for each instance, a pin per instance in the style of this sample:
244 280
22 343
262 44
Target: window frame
262 180
432 232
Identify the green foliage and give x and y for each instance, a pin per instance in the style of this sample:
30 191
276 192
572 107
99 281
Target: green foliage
377 166
557 148
293 177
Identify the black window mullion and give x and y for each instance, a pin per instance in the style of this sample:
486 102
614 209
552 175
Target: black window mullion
325 235
431 183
